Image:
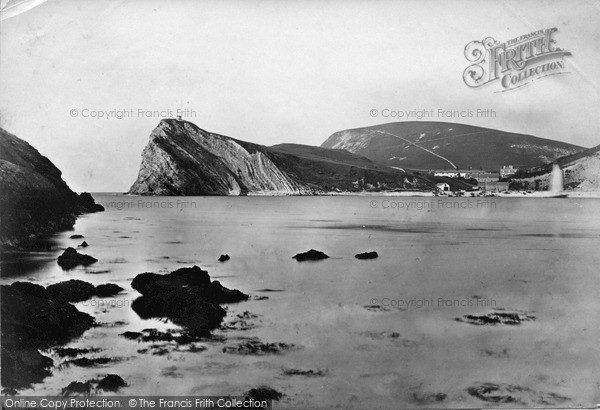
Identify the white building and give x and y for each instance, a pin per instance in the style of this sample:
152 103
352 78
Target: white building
444 187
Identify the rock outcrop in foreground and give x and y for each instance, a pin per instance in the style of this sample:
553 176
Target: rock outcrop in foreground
186 296
35 318
35 200
182 159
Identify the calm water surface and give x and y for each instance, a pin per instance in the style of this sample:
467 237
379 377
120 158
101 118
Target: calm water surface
450 258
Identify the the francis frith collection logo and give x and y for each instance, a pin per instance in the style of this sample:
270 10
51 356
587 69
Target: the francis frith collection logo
514 63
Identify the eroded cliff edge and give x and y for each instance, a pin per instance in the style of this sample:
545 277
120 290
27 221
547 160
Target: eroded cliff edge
34 199
182 159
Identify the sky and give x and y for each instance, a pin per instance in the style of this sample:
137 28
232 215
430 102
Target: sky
271 72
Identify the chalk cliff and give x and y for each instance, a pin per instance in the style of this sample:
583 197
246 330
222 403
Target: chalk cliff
182 159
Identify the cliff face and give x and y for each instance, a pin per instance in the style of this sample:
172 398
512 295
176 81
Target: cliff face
35 199
182 159
581 172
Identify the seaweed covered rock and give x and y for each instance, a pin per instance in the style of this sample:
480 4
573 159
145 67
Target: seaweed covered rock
75 290
366 255
311 255
186 296
32 319
71 258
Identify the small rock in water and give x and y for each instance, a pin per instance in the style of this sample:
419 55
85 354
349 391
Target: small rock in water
107 289
76 236
71 258
306 373
112 383
84 244
497 318
78 388
264 393
256 347
224 258
425 398
311 255
366 255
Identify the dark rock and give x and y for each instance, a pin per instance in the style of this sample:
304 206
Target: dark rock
366 255
426 398
71 291
131 335
75 290
73 352
71 258
186 296
86 201
264 393
311 255
87 362
306 373
515 394
107 289
32 319
84 244
498 318
35 199
76 236
256 347
224 258
78 388
111 382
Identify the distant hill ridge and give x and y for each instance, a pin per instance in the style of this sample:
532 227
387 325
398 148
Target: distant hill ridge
444 145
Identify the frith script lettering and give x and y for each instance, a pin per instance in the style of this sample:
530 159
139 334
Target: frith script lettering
514 63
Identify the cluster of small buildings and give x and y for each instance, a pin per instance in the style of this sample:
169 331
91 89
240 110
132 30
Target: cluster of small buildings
486 180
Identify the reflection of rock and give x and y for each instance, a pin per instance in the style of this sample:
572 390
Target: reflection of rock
498 317
224 258
254 346
311 255
510 393
32 319
366 255
186 296
264 393
71 258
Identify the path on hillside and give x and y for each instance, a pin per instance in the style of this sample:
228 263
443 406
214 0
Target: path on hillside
418 146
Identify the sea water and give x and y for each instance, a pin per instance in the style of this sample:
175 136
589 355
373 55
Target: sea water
384 331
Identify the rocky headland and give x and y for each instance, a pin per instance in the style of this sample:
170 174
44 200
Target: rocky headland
35 199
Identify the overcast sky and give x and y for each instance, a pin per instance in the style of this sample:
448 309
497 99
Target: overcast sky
272 71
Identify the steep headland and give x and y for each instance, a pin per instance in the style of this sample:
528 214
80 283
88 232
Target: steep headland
35 200
182 159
